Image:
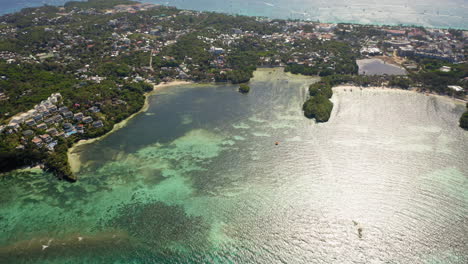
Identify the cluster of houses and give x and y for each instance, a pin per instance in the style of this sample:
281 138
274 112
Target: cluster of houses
162 31
413 42
43 124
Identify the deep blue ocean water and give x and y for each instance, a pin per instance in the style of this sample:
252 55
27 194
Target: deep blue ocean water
429 13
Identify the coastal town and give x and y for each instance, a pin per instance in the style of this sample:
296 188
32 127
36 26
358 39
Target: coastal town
151 40
108 56
49 121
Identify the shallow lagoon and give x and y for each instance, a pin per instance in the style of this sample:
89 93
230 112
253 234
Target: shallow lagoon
198 178
379 67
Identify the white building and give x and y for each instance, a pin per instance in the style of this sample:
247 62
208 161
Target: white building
216 51
445 69
372 51
456 88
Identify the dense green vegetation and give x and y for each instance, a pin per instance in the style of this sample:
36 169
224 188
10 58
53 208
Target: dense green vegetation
319 106
342 58
28 84
244 88
432 79
14 158
57 161
464 119
417 80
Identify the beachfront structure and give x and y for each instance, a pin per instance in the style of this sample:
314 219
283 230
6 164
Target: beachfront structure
46 138
28 133
30 122
37 141
42 126
54 98
37 117
63 109
67 114
24 117
13 125
52 145
98 124
94 109
57 118
31 113
52 108
87 119
78 116
80 128
67 127
40 108
16 121
52 131
48 104
42 113
49 121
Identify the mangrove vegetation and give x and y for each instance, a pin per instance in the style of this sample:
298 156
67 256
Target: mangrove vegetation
244 88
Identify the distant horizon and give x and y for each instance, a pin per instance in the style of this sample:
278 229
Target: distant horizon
205 5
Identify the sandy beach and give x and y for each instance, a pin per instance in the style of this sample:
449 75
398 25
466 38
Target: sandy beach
357 88
158 87
75 151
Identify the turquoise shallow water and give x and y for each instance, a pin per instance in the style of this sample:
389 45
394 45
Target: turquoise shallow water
429 13
198 179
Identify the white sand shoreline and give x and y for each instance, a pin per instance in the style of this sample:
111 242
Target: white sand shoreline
74 153
350 87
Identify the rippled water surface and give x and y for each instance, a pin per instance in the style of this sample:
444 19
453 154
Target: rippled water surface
429 13
198 179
